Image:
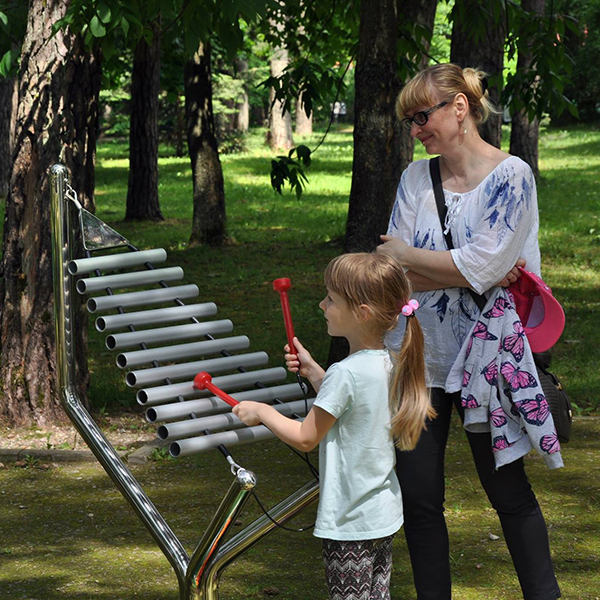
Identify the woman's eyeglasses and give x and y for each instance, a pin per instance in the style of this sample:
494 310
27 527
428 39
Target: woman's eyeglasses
421 117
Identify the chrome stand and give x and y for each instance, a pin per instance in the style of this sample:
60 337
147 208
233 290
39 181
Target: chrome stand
198 576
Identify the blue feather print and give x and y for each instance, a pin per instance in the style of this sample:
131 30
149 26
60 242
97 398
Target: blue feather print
441 306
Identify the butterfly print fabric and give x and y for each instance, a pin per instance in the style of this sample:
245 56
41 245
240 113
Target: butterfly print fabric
500 391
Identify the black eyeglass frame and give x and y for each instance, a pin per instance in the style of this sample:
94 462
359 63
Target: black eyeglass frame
422 115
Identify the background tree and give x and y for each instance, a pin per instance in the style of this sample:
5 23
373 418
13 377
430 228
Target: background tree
478 36
13 19
208 224
142 190
279 135
524 132
53 124
376 164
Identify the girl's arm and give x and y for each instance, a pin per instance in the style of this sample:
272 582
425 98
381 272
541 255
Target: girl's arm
304 362
302 435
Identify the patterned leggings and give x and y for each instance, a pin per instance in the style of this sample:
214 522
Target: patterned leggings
358 570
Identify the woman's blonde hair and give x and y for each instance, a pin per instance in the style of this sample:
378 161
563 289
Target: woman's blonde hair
378 281
442 82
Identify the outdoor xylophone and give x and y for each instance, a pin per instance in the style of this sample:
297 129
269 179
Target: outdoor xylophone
182 374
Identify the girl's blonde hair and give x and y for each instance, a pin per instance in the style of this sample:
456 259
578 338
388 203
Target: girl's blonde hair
378 281
442 82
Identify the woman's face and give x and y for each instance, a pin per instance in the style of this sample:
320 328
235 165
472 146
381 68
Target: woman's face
440 131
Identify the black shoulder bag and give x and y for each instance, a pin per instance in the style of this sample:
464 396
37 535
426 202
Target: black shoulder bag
558 401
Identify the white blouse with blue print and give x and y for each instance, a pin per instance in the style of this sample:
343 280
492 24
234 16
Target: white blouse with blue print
491 227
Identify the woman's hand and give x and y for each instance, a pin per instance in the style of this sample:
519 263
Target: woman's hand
513 274
395 247
248 412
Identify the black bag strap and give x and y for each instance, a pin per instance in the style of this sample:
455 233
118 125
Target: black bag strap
438 192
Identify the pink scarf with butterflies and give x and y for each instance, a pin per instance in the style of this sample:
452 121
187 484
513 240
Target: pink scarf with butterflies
499 388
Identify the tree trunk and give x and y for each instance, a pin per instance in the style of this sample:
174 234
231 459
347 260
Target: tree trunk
55 122
524 134
8 116
280 124
242 119
485 53
142 190
420 12
304 123
376 166
208 224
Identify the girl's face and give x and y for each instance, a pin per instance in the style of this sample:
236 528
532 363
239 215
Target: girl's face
341 319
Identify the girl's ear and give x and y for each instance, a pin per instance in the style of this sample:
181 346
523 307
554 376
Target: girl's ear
364 312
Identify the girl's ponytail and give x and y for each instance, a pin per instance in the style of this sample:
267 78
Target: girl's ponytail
410 402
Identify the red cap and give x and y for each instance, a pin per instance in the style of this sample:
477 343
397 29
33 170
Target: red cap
540 312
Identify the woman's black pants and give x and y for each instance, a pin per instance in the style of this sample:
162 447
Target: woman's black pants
421 475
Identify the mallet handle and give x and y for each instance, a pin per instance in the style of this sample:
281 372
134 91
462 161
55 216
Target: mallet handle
281 286
202 381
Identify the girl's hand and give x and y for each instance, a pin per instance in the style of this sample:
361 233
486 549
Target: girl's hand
248 412
394 247
513 274
302 361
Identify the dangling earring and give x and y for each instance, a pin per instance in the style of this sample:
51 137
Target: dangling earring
464 130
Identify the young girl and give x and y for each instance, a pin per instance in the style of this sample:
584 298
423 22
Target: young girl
355 417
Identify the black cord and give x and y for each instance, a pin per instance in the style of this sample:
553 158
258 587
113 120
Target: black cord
266 512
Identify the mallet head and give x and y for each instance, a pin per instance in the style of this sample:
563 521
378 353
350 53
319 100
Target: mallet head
201 380
282 284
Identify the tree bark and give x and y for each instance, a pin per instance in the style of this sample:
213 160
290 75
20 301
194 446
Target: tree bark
208 224
55 123
376 166
487 54
280 124
524 134
8 117
304 123
242 120
142 190
420 12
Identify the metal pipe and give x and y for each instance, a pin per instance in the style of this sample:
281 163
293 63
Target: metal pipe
228 421
215 365
177 333
169 354
214 536
92 285
211 441
112 262
157 315
165 393
215 406
282 513
143 298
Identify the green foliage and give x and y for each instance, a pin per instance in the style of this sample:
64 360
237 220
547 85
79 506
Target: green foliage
584 47
285 168
13 21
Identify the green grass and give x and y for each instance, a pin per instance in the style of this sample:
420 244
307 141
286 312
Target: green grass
67 532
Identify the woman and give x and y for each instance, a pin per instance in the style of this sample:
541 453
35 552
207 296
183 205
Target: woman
493 219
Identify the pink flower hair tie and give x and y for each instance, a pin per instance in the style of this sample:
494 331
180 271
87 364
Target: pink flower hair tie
409 309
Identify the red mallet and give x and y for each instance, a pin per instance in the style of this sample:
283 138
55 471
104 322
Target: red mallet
202 381
282 286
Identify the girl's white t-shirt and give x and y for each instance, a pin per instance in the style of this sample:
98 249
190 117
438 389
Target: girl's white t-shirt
491 226
360 495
